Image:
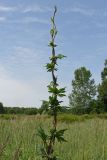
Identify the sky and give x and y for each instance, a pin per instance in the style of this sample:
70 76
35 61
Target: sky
24 37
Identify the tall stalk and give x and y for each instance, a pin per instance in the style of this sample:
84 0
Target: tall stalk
48 140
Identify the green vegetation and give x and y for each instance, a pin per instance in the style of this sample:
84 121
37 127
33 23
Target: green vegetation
21 110
53 105
1 108
83 92
85 119
102 89
87 139
86 97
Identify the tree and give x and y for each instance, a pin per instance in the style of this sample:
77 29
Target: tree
48 146
102 89
1 108
83 92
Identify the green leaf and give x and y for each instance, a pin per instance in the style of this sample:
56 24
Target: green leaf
52 132
59 135
59 92
60 56
52 89
52 32
62 90
42 134
53 101
50 67
52 83
53 58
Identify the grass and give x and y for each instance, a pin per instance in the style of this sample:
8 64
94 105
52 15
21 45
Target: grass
86 136
74 118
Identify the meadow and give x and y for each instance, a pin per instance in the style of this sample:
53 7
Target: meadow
86 136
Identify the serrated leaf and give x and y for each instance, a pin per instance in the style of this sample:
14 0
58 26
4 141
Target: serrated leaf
60 92
42 134
52 89
61 95
53 101
50 67
59 135
60 56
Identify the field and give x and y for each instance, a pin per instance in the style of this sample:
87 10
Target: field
87 138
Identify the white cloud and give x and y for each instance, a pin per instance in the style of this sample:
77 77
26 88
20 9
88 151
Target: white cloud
24 9
35 20
80 10
23 90
7 8
27 20
21 9
20 93
31 20
35 8
25 56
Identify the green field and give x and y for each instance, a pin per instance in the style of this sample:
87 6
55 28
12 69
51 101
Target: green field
87 138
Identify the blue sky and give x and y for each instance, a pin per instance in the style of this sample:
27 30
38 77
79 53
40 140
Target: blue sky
24 51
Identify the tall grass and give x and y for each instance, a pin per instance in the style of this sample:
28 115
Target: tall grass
87 140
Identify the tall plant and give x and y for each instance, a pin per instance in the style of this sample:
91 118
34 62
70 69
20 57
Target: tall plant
48 149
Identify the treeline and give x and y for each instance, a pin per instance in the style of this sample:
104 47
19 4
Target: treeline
28 111
86 97
18 110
